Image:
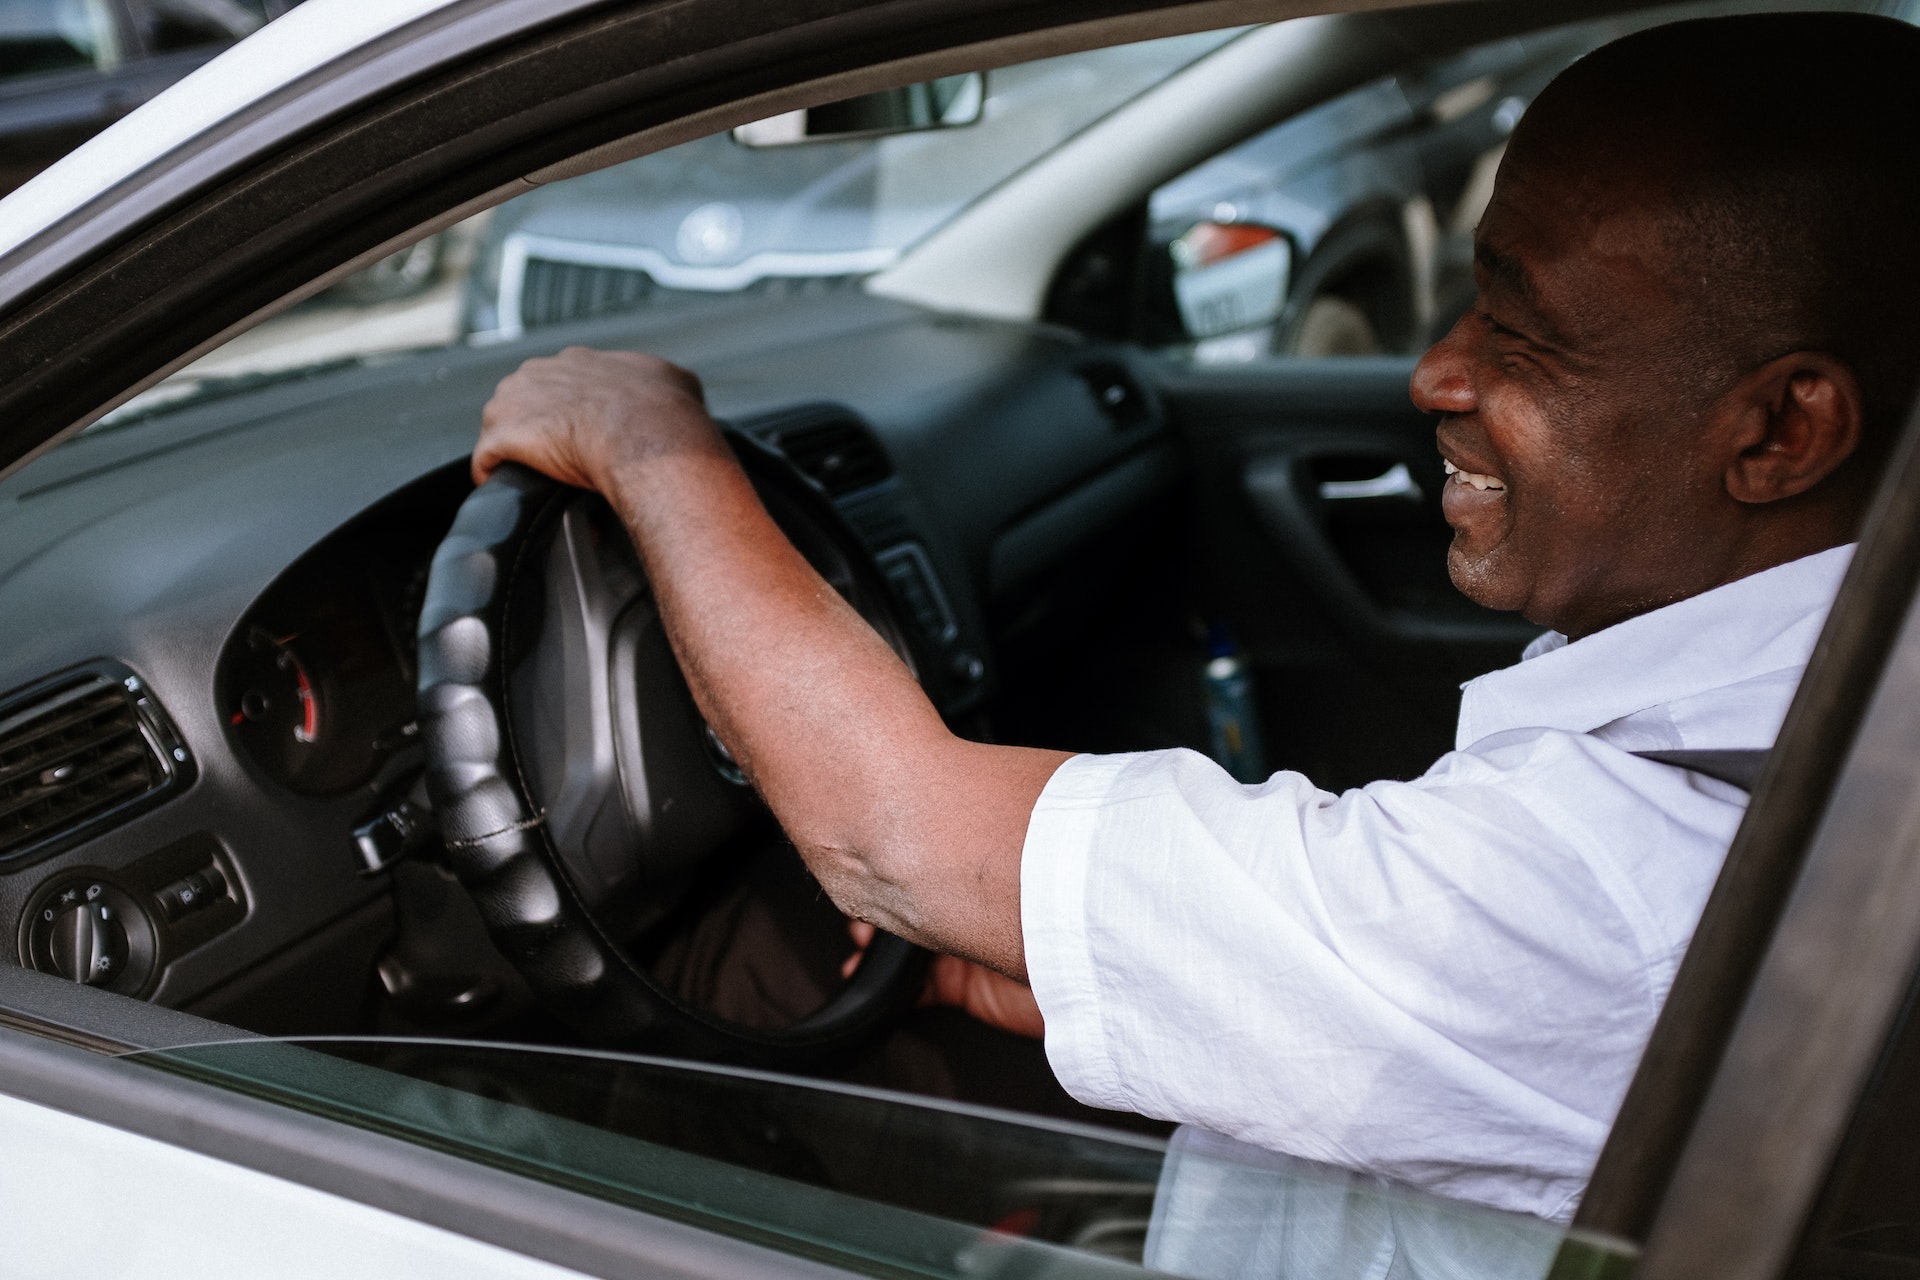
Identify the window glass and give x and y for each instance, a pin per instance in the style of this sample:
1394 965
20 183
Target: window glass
708 224
198 24
1345 230
714 216
875 1182
56 35
1374 197
1867 1222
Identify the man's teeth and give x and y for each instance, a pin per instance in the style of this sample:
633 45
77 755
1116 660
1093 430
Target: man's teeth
1473 478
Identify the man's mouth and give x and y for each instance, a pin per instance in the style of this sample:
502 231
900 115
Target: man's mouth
1455 476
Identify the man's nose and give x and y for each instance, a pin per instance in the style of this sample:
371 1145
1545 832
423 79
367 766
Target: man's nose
1442 381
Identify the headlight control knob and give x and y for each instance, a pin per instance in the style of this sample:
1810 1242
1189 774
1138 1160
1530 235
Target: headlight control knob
87 944
88 929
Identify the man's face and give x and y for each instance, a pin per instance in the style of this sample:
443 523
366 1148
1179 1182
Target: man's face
1566 404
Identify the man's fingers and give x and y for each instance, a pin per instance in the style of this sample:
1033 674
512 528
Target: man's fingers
993 998
580 415
862 934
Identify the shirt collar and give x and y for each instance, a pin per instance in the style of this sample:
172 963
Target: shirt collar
1758 624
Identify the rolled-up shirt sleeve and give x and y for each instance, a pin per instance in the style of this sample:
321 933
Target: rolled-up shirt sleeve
1446 981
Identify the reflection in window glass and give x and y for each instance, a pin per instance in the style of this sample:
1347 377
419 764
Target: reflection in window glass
879 1183
199 24
55 35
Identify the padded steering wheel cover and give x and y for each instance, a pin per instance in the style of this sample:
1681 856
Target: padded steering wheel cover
498 844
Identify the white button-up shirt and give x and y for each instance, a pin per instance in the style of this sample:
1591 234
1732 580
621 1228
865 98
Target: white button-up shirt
1447 981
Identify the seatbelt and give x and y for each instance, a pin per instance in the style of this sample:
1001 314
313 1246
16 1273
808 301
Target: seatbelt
1737 768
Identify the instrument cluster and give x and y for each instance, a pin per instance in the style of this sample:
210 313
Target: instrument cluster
316 682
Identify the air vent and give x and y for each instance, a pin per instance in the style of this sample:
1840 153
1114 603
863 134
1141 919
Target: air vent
913 580
840 454
78 755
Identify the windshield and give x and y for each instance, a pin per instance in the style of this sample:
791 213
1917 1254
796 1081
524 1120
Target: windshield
709 218
876 1182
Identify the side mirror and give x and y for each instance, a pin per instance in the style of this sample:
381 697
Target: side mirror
947 103
1229 277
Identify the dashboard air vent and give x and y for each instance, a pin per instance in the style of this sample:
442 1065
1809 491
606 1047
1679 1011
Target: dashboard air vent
840 454
77 754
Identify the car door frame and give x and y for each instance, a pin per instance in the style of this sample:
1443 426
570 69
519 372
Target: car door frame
60 1052
1731 1126
1755 1067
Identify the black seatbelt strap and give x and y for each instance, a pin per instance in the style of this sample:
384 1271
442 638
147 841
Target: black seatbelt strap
1739 768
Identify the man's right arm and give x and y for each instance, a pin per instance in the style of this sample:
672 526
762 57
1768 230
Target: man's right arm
905 825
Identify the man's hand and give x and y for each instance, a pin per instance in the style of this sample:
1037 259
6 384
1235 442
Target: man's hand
582 415
995 999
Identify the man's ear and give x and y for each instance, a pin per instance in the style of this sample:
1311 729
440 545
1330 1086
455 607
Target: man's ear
1794 421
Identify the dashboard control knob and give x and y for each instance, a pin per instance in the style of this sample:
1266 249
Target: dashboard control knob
86 928
87 943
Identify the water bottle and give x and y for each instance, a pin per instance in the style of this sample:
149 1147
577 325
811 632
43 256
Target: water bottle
1233 723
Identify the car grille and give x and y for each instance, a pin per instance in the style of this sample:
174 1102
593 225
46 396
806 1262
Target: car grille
554 292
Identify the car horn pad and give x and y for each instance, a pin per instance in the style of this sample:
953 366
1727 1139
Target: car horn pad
498 839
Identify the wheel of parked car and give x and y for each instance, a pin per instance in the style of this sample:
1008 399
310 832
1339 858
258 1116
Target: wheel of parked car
1333 326
1353 296
579 793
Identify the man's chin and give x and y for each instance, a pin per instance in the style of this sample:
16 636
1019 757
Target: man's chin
1483 578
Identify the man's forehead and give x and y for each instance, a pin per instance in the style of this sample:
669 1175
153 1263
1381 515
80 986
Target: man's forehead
1575 243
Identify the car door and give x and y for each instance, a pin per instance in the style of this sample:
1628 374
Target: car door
220 1154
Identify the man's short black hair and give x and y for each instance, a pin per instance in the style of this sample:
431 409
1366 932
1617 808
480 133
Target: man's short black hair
1788 145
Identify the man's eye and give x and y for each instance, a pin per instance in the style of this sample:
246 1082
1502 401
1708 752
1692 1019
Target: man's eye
1501 330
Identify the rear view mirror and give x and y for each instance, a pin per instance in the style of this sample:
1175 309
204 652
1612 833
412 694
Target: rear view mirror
946 103
1229 277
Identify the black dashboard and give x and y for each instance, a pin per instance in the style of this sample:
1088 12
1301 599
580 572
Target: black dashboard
234 585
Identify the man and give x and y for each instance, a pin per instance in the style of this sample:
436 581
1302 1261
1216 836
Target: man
1663 419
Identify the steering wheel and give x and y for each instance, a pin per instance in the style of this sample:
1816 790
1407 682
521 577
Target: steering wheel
578 790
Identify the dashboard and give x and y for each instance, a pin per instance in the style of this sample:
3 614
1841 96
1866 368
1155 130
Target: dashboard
236 584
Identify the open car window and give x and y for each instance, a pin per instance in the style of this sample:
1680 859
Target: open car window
875 1182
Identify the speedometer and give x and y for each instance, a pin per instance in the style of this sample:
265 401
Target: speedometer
274 705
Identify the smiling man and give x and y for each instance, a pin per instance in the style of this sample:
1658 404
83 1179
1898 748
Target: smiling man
1662 419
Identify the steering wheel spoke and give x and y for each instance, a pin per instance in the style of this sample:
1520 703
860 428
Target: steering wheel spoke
571 769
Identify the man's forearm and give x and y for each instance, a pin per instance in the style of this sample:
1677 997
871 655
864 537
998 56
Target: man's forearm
905 825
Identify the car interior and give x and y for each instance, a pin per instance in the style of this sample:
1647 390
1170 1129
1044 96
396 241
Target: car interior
1068 525
1018 448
